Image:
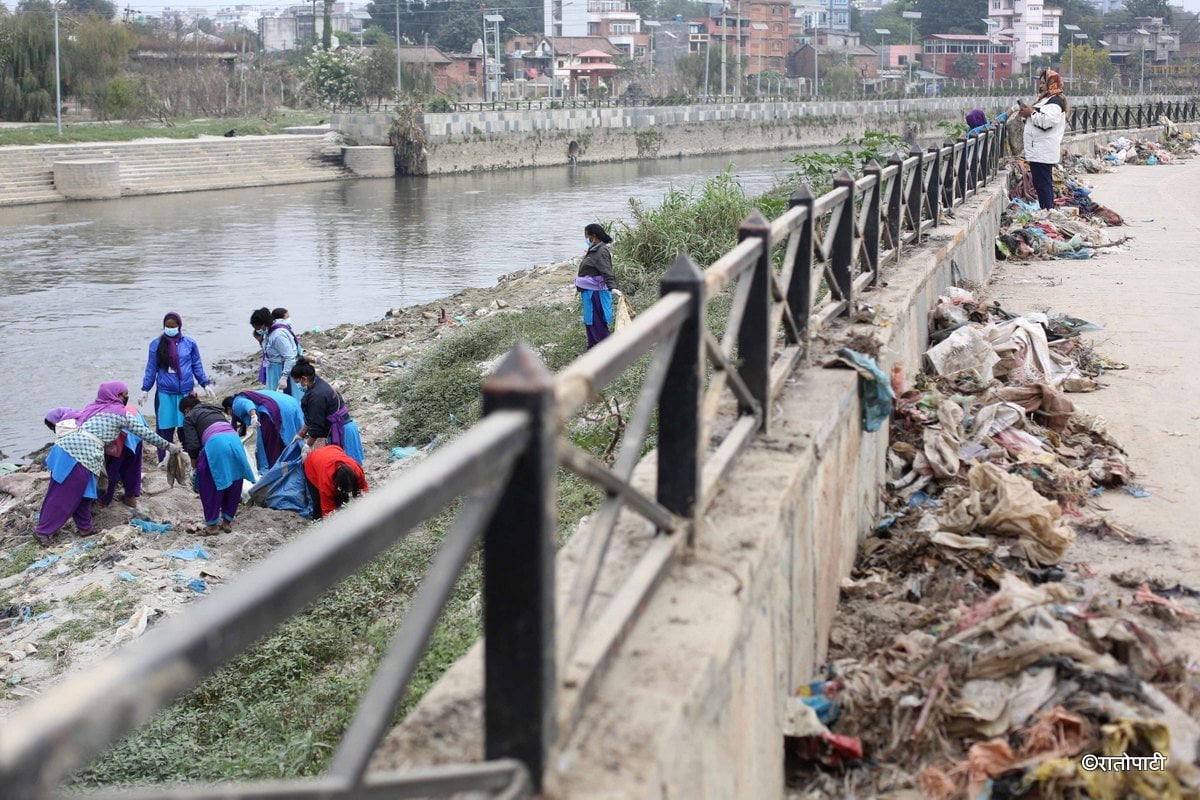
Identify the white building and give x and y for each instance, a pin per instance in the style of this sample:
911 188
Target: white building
1034 26
837 14
1107 6
810 13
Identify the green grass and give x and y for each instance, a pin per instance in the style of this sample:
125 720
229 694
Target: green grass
46 132
19 558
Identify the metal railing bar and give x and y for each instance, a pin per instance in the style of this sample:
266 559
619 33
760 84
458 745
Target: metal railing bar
861 185
588 468
719 463
730 266
834 198
721 361
506 776
49 737
737 310
583 673
711 402
604 521
834 307
377 706
582 378
862 281
825 243
784 277
784 366
786 223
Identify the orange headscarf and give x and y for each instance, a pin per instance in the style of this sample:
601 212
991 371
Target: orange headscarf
1054 86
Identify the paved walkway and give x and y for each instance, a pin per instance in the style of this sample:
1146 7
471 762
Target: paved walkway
1146 297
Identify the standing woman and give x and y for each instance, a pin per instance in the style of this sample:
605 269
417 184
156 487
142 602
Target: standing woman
326 418
174 365
77 458
219 459
595 283
123 464
1046 121
280 350
275 415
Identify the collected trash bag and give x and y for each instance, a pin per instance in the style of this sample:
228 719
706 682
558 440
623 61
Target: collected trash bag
283 487
179 469
622 314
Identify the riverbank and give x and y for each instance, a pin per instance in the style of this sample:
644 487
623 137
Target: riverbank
67 606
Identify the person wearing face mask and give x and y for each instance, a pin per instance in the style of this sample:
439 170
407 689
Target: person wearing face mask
77 458
596 282
220 462
275 415
326 418
280 350
1046 122
174 366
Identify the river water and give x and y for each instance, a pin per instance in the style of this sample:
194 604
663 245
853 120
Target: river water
84 285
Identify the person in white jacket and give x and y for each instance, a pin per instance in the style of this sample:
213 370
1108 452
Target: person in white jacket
1046 121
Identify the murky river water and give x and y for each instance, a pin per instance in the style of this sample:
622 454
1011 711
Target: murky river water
84 286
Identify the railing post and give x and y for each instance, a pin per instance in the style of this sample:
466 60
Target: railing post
933 190
960 169
871 226
799 291
680 451
518 570
973 171
755 336
896 201
842 258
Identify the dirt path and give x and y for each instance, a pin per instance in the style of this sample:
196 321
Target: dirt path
62 608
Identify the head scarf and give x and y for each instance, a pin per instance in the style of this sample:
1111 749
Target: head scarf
171 342
975 118
57 415
108 401
1054 86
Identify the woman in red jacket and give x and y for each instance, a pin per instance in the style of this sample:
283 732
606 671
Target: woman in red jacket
333 478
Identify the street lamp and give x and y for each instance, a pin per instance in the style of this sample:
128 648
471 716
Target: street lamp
495 20
1073 46
910 16
883 34
991 49
1142 49
759 26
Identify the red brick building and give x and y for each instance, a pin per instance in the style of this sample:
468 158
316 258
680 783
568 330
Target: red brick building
941 50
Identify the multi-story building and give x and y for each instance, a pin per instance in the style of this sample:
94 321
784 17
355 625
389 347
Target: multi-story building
943 50
609 19
837 14
1151 35
761 28
808 15
299 27
1107 6
1034 26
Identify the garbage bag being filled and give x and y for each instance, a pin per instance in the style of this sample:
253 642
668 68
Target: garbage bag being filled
283 487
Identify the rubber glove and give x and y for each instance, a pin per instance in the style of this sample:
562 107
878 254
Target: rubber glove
210 391
282 383
305 450
254 422
174 447
618 293
142 400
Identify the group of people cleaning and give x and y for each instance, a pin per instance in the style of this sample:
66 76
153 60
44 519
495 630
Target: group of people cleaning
1045 124
101 445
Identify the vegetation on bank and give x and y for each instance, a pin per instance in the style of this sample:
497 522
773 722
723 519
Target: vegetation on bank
279 710
47 132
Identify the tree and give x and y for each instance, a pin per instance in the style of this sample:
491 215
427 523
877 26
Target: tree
951 16
840 81
95 53
206 25
1150 8
332 78
1091 64
966 66
327 27
100 8
27 63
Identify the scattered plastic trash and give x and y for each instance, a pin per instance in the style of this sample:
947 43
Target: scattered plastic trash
922 500
874 389
146 526
1135 490
189 553
127 576
399 453
136 625
42 563
197 585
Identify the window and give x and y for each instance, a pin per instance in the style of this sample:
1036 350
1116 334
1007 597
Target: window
1047 41
903 60
639 52
593 29
776 45
775 11
471 67
777 28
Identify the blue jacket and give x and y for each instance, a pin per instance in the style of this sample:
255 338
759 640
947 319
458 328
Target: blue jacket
190 367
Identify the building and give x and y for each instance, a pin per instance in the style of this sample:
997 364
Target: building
942 50
1159 41
1034 28
299 26
837 14
454 74
802 61
808 15
559 56
1107 6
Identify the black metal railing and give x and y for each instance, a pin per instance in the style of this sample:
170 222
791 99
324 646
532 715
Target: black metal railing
1084 119
610 102
786 279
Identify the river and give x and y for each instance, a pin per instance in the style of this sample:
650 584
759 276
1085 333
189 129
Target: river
85 284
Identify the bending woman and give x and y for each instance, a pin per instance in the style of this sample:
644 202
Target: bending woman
595 283
326 418
333 478
280 349
219 459
77 458
174 366
276 416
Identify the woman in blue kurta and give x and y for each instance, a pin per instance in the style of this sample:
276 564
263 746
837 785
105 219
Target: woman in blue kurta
174 366
280 349
326 418
276 416
220 462
78 457
596 283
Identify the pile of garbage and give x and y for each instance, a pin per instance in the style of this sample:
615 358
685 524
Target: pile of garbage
968 659
1132 150
1075 228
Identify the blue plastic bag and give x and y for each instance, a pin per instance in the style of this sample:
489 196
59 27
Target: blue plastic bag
283 487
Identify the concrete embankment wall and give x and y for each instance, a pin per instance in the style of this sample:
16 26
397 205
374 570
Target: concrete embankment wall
465 141
693 705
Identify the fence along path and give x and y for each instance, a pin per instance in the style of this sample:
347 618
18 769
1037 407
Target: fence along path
503 469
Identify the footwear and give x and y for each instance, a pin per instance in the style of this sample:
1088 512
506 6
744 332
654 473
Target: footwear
131 502
85 534
209 530
226 525
45 540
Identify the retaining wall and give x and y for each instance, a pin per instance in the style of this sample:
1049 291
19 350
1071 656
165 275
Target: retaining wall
693 705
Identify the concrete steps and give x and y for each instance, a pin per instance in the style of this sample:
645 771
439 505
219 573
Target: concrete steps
158 167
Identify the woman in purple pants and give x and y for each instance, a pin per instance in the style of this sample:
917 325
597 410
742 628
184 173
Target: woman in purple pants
595 283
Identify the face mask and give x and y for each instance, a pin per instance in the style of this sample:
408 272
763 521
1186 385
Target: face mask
171 331
262 332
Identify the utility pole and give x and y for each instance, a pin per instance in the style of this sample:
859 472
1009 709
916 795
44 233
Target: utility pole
737 68
399 72
57 77
724 36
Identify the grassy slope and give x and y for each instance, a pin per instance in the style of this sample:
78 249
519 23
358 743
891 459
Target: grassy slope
46 133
